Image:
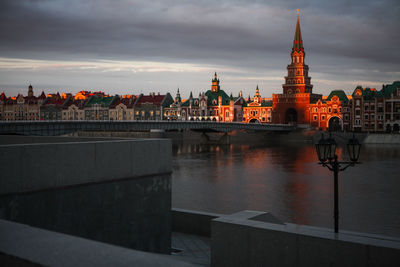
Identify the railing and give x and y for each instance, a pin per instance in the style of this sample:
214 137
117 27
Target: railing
65 127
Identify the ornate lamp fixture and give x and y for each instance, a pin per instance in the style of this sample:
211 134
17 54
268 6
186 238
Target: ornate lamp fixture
326 151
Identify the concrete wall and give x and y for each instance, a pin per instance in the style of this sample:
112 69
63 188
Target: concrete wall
192 222
253 239
112 191
22 245
28 167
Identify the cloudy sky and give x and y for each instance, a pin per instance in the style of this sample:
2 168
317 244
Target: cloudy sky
134 46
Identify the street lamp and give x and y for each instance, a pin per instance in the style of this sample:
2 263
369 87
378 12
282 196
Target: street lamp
327 157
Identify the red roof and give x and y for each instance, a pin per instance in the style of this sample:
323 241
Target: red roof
151 99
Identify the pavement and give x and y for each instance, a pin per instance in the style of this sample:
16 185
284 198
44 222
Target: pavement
191 248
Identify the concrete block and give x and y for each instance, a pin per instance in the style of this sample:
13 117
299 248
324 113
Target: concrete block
30 167
239 240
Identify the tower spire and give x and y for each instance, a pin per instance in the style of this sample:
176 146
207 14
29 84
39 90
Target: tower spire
298 41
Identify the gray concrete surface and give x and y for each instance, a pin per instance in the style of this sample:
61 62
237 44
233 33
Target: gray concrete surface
192 222
22 245
236 240
29 167
192 248
111 191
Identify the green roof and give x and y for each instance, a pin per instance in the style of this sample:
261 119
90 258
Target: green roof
187 102
214 95
340 94
298 41
263 104
369 94
103 101
389 89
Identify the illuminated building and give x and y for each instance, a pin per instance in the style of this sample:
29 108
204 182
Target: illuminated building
212 105
97 107
332 112
20 107
122 108
292 106
151 107
376 111
258 110
52 107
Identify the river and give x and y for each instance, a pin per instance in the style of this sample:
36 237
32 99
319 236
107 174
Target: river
286 180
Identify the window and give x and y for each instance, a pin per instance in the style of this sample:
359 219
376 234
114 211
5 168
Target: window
357 102
323 117
346 117
227 114
329 110
358 112
366 116
372 116
315 117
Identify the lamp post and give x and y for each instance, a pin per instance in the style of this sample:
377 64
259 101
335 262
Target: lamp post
326 151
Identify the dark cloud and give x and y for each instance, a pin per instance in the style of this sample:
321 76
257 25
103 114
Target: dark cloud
255 35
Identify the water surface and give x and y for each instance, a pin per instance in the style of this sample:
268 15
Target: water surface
286 181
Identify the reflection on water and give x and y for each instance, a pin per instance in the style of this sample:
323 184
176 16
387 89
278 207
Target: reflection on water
287 181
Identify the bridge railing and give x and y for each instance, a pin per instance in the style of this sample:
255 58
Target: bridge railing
64 127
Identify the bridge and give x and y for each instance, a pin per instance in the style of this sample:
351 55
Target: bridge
53 128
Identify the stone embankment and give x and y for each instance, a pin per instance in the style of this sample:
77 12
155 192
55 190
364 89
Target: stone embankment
382 139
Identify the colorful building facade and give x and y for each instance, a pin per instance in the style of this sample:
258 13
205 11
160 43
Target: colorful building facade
293 105
258 110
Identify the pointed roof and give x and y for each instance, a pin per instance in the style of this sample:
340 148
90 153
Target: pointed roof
215 77
257 92
340 94
298 41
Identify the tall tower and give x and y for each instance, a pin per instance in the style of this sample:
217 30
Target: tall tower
30 91
215 84
297 80
293 105
257 96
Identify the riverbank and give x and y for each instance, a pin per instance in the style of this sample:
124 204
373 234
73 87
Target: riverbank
213 138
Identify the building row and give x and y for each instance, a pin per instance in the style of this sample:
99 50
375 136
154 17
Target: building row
366 109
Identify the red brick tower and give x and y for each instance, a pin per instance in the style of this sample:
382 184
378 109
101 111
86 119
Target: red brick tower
293 105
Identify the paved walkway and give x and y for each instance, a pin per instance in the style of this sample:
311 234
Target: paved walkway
193 249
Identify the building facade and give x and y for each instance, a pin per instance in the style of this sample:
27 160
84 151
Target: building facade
151 107
292 106
97 107
332 112
122 108
257 110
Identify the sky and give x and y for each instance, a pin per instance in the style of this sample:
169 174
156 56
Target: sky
133 46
